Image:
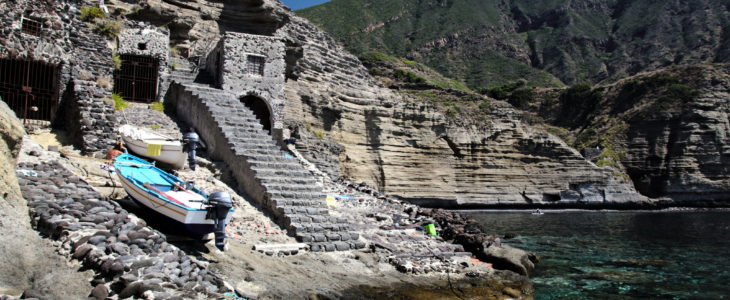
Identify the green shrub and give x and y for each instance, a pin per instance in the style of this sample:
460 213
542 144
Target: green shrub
158 106
375 57
117 60
503 92
584 139
682 92
485 106
119 102
521 97
108 28
319 134
154 126
408 76
174 65
578 102
497 93
90 13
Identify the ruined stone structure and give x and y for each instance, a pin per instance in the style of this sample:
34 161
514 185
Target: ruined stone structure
43 36
143 47
252 68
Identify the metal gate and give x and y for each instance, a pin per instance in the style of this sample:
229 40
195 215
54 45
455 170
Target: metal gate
30 88
136 80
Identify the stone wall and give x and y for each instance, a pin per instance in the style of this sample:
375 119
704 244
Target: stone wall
84 60
52 46
151 42
237 47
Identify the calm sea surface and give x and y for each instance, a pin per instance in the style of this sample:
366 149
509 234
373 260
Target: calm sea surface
618 255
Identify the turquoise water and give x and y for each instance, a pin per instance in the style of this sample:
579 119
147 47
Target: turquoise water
623 255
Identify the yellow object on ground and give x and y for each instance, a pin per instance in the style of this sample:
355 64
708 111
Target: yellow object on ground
331 201
154 149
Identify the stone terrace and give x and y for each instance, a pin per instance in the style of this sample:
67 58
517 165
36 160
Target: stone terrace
276 181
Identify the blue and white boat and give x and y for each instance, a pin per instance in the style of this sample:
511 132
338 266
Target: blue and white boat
195 211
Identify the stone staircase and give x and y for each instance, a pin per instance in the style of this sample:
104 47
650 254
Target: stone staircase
277 181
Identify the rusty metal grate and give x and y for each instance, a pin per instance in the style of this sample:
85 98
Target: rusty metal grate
255 65
32 27
30 88
136 80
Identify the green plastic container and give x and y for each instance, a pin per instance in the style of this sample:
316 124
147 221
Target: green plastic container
431 229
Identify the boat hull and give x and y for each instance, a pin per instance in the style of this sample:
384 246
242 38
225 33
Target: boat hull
171 153
192 219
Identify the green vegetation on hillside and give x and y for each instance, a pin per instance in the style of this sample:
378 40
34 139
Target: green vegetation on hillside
488 44
420 84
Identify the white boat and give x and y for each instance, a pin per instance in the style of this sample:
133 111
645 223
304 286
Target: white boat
158 147
188 207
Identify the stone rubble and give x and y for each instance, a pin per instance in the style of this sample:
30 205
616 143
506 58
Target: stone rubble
129 257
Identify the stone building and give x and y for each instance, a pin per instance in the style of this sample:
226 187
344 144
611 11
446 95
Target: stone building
55 70
252 68
144 55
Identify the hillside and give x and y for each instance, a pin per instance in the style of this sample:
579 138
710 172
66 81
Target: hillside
490 43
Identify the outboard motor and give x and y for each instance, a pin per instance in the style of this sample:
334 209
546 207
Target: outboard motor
190 142
219 205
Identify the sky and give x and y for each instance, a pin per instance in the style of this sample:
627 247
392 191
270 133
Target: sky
299 4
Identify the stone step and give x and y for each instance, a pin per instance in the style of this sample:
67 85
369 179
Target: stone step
336 246
292 195
313 227
265 172
290 179
307 196
283 202
312 236
281 188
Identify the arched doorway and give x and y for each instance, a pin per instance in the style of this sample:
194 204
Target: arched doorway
260 109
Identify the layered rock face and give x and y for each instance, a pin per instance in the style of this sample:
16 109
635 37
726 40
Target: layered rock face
685 154
411 151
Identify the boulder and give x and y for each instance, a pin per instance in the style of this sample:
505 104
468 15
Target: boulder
509 258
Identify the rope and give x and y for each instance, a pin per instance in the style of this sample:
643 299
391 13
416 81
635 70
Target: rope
448 274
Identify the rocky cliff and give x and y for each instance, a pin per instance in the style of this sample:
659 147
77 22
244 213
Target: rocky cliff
405 147
667 130
28 263
409 149
684 154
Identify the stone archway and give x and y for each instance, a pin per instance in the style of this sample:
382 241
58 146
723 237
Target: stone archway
260 108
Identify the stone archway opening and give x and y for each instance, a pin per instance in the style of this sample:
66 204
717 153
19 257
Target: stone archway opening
260 109
136 80
30 88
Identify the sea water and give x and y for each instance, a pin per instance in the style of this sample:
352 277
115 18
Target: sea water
621 255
